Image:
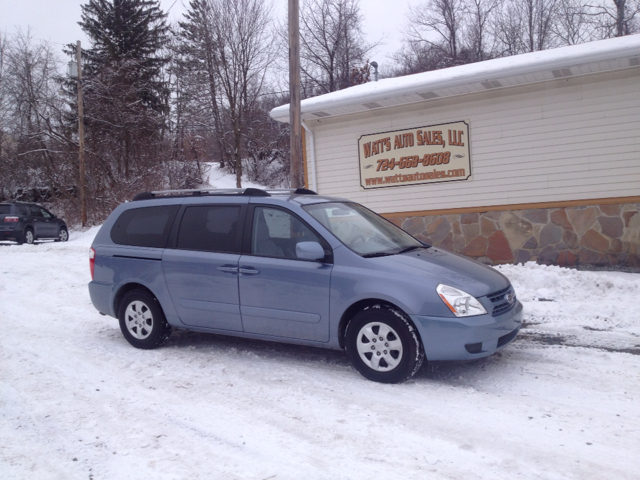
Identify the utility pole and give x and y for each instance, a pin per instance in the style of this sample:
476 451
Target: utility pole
295 119
83 198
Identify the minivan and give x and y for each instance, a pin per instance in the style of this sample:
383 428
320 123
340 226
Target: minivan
293 266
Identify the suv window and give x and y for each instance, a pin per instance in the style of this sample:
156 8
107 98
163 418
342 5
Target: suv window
5 209
210 228
276 233
144 227
35 211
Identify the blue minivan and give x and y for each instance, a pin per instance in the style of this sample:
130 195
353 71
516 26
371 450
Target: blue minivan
294 266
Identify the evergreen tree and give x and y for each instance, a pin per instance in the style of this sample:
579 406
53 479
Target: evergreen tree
126 98
132 32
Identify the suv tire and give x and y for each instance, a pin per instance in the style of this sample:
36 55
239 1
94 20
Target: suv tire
383 345
63 235
27 237
142 320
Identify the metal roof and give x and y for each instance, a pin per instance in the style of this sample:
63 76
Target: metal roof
529 68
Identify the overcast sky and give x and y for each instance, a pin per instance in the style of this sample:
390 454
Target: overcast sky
56 20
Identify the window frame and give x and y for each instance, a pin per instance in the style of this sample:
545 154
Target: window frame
175 231
363 255
248 230
35 212
166 233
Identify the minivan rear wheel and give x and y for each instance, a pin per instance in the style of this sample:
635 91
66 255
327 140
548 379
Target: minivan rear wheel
142 320
383 345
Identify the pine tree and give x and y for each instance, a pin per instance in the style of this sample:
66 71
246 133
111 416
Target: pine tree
133 32
126 99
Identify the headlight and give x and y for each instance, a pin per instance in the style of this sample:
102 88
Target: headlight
460 303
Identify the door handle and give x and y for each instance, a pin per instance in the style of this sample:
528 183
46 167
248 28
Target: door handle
228 269
248 270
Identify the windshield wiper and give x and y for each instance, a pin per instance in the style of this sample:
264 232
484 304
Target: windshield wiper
377 254
413 247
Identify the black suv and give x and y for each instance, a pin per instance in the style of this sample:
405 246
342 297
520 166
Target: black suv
28 222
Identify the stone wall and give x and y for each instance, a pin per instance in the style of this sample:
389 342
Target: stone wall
595 235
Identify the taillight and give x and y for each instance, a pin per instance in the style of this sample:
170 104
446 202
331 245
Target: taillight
92 261
11 218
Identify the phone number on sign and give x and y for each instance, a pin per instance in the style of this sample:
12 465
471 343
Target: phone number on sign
441 158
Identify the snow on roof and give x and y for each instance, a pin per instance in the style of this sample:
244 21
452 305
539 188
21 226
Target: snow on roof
584 59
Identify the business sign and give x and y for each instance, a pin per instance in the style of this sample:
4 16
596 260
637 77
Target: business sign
431 154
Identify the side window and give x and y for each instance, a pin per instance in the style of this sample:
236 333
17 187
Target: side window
144 227
35 212
45 214
210 228
276 233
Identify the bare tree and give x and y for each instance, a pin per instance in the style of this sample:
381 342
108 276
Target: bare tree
416 57
267 159
332 44
480 14
4 107
445 19
508 29
197 92
33 152
617 20
573 24
241 51
527 26
444 33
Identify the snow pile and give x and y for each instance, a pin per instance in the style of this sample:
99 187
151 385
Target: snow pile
588 308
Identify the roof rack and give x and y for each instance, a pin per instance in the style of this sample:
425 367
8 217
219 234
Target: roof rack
252 192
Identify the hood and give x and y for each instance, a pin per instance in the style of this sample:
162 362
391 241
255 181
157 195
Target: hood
448 268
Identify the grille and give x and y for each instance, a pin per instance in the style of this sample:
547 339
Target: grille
499 301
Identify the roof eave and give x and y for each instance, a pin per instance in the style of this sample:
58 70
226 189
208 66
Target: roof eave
491 70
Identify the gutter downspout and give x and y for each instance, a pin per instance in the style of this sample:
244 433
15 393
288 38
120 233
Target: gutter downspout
312 147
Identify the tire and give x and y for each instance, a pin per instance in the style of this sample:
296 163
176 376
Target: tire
142 320
63 235
383 345
27 237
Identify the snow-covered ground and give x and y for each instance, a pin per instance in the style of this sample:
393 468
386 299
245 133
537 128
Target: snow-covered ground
221 179
77 401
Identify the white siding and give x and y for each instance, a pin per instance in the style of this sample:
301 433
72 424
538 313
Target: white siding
568 139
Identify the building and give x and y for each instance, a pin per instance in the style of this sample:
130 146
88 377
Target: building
530 157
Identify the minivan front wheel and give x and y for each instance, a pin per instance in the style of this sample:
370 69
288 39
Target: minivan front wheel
383 345
142 321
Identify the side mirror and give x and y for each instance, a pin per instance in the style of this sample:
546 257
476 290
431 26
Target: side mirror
309 251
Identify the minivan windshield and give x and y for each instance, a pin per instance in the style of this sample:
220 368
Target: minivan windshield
363 231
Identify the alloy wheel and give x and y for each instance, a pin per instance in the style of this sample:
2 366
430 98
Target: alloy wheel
139 320
379 346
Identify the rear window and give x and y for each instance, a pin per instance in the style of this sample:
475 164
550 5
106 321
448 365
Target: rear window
22 210
5 209
210 228
144 227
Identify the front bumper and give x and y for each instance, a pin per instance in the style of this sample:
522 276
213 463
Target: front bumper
456 338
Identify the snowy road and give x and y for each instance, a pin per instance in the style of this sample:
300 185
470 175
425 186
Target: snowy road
76 401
